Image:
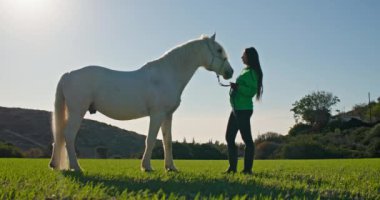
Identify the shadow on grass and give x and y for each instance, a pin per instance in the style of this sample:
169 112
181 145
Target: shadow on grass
222 187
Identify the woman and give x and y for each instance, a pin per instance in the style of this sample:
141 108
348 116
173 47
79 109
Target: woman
248 84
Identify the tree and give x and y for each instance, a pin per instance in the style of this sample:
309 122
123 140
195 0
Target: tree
315 108
363 111
375 112
360 110
299 129
269 137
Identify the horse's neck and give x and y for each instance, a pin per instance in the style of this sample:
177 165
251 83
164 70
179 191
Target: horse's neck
185 63
180 65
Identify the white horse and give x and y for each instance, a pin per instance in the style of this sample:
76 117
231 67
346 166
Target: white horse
154 90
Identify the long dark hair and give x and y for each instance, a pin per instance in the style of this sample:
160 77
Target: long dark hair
254 63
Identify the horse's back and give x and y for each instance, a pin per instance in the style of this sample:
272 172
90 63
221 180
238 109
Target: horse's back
83 81
96 76
92 71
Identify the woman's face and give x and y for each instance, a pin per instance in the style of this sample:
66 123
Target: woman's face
244 58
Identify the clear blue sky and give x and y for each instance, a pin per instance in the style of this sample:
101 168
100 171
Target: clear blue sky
303 46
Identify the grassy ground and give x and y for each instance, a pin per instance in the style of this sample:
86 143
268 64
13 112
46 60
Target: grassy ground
122 179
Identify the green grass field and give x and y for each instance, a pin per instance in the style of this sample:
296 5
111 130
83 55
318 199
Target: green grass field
122 179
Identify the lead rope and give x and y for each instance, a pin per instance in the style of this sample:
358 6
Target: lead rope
221 84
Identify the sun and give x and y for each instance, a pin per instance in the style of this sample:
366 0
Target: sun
26 6
25 10
26 15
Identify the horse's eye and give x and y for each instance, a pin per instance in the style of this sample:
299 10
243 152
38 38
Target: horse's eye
220 51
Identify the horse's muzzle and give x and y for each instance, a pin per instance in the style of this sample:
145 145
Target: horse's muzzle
228 74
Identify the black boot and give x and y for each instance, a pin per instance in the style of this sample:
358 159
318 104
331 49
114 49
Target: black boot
248 158
232 159
229 171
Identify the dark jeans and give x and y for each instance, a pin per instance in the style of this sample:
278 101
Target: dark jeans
240 121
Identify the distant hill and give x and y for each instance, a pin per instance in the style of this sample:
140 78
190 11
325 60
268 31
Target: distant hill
31 129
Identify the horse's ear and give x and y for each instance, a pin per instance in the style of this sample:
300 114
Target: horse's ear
213 36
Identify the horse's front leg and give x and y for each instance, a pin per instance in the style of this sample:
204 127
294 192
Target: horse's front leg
166 128
154 127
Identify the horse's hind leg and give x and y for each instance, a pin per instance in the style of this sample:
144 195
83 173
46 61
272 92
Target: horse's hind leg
58 152
71 130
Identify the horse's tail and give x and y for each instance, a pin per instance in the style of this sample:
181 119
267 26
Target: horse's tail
58 125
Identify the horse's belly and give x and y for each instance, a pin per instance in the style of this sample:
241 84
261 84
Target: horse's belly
123 116
122 110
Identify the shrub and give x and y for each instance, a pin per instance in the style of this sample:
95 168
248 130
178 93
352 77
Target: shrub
266 150
190 151
359 134
304 150
34 153
181 151
206 151
9 151
374 148
334 124
375 131
270 136
299 129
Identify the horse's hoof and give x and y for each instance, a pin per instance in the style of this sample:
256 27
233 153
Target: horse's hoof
76 170
52 166
72 173
147 169
171 169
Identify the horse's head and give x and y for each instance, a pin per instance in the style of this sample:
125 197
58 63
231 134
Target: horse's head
217 58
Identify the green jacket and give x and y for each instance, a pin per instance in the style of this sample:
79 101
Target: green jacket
241 99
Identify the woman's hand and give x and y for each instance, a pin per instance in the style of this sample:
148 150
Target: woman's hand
234 86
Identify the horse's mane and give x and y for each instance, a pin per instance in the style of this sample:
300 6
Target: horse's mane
176 52
180 49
